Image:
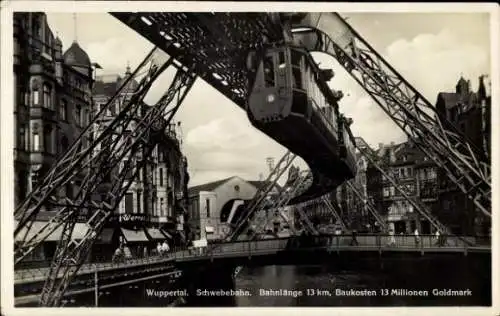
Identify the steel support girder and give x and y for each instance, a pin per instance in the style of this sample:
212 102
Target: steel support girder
214 45
262 192
465 165
331 207
369 205
67 167
146 136
299 185
420 207
77 159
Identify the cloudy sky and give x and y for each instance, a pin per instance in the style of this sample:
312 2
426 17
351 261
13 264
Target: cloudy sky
431 50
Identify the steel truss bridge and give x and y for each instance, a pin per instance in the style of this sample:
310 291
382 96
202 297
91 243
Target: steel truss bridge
215 47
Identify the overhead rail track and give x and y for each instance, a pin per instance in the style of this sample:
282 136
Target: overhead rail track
466 166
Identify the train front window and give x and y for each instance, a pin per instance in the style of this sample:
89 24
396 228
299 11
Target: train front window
269 71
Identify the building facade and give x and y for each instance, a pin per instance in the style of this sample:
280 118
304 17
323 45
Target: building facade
469 112
52 101
213 206
155 196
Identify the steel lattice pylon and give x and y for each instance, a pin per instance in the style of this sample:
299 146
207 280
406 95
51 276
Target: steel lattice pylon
145 130
420 207
261 194
465 165
299 185
369 204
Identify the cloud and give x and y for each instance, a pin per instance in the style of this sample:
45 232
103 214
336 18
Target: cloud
223 133
220 142
432 63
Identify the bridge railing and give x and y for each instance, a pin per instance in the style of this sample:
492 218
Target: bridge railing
330 242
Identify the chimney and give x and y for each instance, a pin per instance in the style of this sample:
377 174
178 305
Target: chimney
392 144
380 145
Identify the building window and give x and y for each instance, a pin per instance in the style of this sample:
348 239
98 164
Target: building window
63 110
85 119
36 141
392 191
129 203
161 176
46 96
160 211
22 137
139 202
78 115
432 173
386 192
207 201
34 179
35 96
47 139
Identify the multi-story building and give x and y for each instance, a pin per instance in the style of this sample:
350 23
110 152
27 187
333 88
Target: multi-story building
52 101
469 113
404 163
154 198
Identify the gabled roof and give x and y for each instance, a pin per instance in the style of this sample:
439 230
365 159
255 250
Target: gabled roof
207 186
450 99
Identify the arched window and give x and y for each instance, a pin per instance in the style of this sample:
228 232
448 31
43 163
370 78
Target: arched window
47 100
36 141
36 95
63 110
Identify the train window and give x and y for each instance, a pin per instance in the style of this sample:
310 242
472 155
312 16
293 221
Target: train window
269 71
296 57
297 78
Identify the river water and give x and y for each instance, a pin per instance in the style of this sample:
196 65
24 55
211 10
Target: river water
321 280
325 280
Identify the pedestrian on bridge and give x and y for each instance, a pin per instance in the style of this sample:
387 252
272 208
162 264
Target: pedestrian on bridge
438 238
417 237
165 248
159 249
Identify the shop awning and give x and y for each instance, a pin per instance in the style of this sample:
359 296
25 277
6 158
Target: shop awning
35 228
155 234
209 229
134 235
106 236
79 231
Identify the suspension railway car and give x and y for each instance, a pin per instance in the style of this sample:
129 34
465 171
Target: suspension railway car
291 102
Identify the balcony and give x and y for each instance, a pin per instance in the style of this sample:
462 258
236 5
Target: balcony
43 113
